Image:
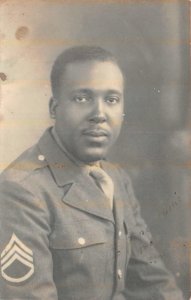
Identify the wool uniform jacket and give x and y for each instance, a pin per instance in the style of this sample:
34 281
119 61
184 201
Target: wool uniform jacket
59 239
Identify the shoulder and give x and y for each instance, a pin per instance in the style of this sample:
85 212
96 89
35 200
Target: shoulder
24 166
24 184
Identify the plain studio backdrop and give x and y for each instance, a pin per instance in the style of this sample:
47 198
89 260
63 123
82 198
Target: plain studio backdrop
151 38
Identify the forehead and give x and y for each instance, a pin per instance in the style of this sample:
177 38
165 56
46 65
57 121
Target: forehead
95 74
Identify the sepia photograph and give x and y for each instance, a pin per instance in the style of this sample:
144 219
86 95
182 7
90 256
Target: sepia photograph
95 150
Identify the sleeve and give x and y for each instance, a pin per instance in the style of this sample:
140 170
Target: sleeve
26 261
146 277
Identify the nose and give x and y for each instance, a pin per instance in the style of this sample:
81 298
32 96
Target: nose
98 112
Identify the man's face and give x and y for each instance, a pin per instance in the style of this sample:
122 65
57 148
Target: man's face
88 109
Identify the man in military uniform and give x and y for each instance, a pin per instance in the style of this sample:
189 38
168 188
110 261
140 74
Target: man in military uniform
70 225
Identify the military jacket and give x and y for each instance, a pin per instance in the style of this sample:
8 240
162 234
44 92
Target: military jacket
61 241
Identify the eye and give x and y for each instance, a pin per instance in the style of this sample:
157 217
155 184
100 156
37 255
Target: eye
82 98
112 99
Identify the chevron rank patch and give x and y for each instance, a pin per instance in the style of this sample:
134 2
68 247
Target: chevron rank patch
16 261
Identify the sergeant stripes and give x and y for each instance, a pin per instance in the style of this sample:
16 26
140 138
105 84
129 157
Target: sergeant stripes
16 250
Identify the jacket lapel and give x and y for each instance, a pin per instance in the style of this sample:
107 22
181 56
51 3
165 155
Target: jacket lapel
86 196
83 193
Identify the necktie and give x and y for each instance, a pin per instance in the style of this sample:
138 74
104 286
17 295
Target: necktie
103 181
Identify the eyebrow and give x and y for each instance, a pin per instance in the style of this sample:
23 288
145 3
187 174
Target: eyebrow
83 90
112 91
90 91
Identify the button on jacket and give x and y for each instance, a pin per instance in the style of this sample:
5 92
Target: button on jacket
60 240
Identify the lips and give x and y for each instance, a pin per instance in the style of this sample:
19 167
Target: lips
96 132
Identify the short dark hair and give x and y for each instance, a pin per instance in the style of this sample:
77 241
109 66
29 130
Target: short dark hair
77 54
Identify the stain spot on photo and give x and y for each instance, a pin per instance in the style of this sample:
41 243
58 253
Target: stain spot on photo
3 76
21 33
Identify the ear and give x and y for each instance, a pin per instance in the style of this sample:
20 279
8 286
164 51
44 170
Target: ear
52 107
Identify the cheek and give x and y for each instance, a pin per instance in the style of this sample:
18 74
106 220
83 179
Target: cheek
117 119
116 113
72 113
65 116
117 122
69 124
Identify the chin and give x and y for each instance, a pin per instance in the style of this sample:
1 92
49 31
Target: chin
94 155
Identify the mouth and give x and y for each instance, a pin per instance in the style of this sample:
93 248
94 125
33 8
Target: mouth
96 135
96 132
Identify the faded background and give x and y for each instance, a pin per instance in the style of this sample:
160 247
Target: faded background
151 38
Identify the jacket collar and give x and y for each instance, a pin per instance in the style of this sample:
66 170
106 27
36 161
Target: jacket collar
83 194
63 169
